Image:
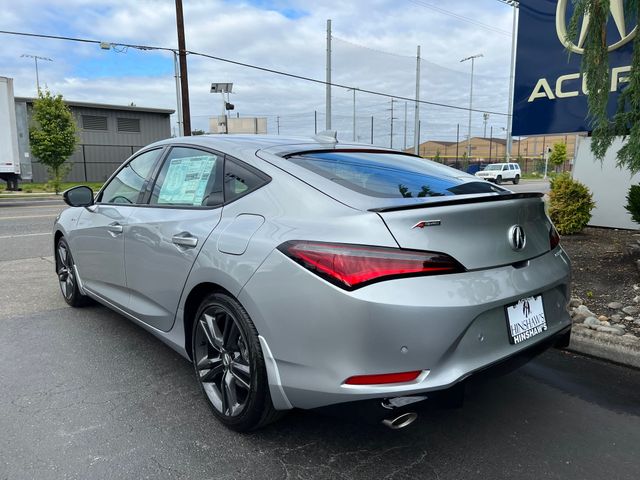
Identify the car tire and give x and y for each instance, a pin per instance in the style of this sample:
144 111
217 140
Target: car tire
229 364
498 179
67 275
516 179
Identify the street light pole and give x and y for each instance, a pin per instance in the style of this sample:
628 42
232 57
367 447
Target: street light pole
176 69
36 58
472 58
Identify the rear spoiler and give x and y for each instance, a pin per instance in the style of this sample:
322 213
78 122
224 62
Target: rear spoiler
459 201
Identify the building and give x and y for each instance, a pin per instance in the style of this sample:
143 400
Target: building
108 135
529 152
226 124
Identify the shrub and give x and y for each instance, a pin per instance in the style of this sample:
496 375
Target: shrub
633 202
570 204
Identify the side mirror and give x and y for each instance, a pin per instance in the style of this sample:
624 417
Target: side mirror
80 196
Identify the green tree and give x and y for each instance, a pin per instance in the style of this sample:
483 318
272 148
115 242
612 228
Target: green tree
558 155
595 70
197 131
52 135
436 157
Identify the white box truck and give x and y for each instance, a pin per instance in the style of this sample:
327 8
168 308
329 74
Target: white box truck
9 151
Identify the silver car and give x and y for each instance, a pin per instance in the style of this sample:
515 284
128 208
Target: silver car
306 273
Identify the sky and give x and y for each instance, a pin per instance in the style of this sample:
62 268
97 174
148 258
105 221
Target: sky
373 47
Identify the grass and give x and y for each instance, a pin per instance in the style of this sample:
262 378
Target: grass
47 188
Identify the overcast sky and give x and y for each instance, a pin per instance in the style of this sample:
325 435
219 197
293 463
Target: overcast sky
374 47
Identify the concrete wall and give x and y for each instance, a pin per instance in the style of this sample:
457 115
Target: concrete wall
608 183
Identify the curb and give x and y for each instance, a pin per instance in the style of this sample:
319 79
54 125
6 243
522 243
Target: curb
623 350
30 196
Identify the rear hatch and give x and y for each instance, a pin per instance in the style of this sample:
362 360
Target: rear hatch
478 232
429 206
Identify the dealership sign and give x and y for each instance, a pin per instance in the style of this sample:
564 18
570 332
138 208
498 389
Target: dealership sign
549 94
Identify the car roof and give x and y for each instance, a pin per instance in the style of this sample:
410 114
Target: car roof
239 144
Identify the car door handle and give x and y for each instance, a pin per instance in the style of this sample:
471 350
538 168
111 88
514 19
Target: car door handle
185 239
114 228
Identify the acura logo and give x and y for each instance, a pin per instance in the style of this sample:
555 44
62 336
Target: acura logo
617 13
517 239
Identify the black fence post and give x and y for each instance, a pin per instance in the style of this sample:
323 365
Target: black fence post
84 163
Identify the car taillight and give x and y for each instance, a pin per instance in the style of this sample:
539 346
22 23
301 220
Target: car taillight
554 237
384 378
353 266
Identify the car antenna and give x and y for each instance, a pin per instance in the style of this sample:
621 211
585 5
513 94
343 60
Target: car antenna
328 136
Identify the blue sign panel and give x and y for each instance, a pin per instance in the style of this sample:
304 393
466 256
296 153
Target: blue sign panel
549 89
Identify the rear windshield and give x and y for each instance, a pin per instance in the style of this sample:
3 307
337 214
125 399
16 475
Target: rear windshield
388 175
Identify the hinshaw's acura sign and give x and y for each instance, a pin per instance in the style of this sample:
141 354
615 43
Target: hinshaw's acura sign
549 88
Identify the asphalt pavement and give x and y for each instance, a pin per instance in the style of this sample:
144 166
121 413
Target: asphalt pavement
84 393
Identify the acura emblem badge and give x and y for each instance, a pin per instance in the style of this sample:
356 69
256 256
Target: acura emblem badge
517 239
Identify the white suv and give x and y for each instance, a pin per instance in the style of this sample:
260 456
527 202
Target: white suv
498 172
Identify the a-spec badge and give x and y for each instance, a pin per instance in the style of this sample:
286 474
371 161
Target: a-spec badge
426 223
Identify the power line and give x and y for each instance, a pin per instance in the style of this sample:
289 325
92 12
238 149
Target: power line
460 17
248 65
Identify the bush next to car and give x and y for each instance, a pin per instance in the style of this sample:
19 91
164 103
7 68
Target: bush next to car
633 203
570 204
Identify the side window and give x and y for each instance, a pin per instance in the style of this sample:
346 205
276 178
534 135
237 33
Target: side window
126 186
239 180
189 177
505 167
512 166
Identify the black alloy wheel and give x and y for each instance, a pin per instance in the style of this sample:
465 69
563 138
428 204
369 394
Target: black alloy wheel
229 364
67 275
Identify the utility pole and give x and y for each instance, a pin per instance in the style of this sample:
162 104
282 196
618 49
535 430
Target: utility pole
391 144
184 78
457 143
472 58
278 123
36 58
354 114
491 145
416 124
372 130
328 80
485 118
405 126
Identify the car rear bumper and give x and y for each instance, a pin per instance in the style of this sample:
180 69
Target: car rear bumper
376 410
448 326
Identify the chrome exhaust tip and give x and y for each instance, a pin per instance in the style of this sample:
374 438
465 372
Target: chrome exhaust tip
401 421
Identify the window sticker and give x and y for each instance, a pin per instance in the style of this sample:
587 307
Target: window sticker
186 180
